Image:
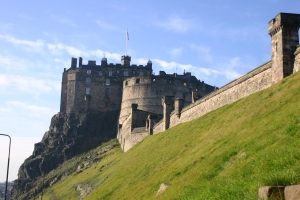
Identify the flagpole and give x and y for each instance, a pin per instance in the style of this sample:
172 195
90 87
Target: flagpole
126 42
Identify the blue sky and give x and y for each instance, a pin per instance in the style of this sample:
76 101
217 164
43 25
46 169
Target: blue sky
215 40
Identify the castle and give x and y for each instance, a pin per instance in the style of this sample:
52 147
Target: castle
149 104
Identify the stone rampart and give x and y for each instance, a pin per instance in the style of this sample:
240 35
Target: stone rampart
254 81
297 59
159 127
147 93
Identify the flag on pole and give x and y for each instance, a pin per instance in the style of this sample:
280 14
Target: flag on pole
127 35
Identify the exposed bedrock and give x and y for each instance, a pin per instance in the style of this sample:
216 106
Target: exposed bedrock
68 136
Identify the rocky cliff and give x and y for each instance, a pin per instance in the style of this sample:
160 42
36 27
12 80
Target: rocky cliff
68 136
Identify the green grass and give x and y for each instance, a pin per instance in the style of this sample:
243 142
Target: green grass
226 154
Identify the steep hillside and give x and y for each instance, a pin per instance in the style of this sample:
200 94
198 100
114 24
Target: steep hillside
226 154
68 136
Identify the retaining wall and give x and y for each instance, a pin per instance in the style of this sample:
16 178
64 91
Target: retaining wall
254 81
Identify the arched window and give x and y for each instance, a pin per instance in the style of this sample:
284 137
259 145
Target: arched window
88 80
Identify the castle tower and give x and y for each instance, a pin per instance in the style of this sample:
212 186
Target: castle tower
283 30
126 60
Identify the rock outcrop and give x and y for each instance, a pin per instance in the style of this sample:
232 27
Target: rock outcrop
68 136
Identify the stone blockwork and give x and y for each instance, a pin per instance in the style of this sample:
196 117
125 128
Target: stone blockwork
254 81
297 59
97 87
148 94
283 30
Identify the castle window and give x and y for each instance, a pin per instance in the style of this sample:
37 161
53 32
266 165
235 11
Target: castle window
110 73
107 82
126 83
137 80
88 80
125 73
88 91
89 72
141 74
133 72
106 92
100 73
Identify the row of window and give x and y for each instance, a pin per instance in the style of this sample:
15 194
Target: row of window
110 73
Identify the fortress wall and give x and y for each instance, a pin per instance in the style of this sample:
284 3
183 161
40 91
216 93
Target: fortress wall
125 131
71 81
134 139
297 59
159 127
148 94
102 97
254 81
128 139
64 88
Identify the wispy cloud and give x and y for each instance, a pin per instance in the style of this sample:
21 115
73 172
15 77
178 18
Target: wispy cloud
59 48
63 20
35 45
17 83
203 52
174 65
11 63
33 110
105 25
175 52
177 24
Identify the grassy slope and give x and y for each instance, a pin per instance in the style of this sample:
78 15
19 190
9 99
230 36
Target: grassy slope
226 154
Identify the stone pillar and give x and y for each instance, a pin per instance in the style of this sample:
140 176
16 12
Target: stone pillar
87 99
151 120
297 59
178 106
283 30
73 63
80 61
167 102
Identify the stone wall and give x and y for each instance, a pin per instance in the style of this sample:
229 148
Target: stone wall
159 127
297 59
91 94
147 93
254 81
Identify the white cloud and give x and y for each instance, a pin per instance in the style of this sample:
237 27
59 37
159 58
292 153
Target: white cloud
176 66
59 48
12 63
35 45
105 25
5 110
177 24
17 83
33 110
175 52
